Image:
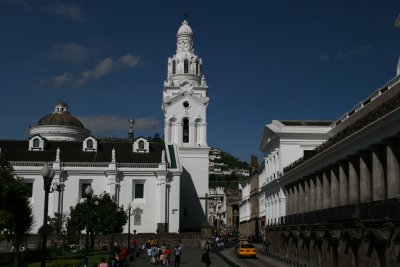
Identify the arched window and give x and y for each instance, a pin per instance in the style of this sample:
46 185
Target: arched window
185 131
36 142
141 144
186 66
89 144
173 67
197 67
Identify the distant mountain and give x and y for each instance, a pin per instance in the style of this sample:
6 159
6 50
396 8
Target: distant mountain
226 170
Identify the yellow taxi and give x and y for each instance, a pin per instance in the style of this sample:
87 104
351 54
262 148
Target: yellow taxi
246 249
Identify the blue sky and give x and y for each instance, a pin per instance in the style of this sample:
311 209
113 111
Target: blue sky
263 60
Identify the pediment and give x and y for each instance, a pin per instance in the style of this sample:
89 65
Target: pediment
186 95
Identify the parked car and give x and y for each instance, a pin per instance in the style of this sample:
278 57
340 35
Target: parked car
245 249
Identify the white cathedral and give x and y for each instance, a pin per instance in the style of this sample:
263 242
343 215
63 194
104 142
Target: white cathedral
163 181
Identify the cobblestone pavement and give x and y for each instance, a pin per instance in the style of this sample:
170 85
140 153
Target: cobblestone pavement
190 258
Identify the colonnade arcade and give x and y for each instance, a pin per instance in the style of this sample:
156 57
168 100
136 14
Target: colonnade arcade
372 174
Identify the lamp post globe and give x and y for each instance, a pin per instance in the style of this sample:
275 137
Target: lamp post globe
89 191
46 171
129 227
48 175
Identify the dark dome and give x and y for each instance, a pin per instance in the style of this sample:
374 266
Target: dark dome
63 118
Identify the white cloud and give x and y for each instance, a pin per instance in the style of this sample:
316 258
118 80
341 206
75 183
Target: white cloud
70 53
363 50
128 60
102 68
72 11
107 124
360 51
57 81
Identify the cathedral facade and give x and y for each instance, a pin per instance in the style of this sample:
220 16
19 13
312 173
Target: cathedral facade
162 180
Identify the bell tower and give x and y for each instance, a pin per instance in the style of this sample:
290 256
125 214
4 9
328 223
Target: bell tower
184 105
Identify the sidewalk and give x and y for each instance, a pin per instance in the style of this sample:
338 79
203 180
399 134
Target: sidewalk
190 257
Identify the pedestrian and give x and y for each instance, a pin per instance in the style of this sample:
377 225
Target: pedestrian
205 258
177 253
167 253
149 255
115 258
103 263
123 257
154 253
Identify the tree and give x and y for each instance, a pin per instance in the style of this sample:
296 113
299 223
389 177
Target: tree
104 217
16 218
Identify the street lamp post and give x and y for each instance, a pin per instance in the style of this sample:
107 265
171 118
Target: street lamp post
89 193
114 200
129 227
48 175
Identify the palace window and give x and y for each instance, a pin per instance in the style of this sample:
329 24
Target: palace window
36 142
173 67
89 144
28 189
139 191
141 144
185 131
186 66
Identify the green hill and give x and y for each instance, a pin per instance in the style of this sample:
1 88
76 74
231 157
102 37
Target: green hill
226 170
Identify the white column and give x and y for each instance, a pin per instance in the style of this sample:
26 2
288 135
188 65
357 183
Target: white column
273 208
195 134
354 180
282 201
343 183
276 208
173 137
277 168
192 134
393 171
365 178
166 131
112 184
270 167
334 186
160 199
178 133
378 174
269 210
203 134
273 165
326 189
267 168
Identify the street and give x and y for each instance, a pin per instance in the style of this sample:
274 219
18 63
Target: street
190 257
260 261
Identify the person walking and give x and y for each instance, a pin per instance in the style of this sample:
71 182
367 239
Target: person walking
115 257
149 254
205 258
177 253
154 254
167 253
